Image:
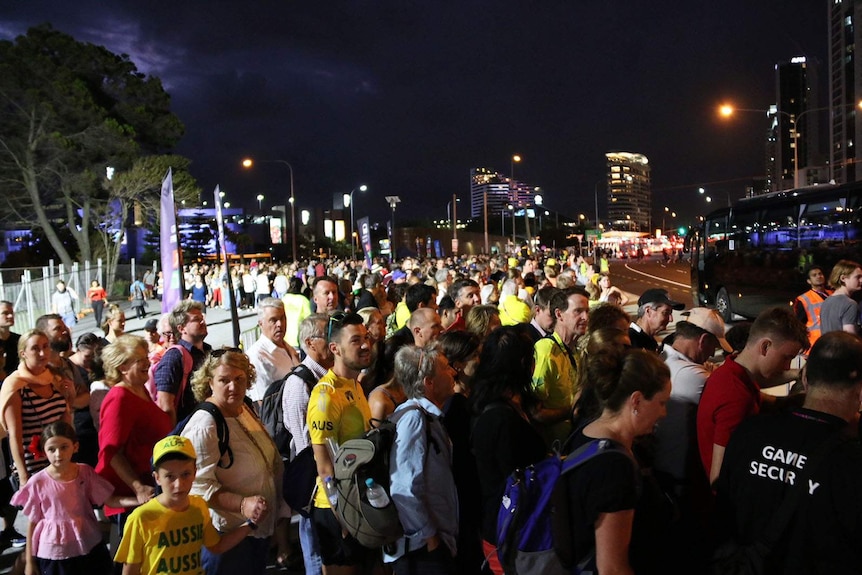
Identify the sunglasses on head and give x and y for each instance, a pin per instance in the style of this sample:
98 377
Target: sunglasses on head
216 353
339 319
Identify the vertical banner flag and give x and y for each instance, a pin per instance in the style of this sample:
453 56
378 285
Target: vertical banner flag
365 237
172 261
225 275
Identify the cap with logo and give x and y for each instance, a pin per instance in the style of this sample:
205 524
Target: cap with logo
659 296
709 320
173 444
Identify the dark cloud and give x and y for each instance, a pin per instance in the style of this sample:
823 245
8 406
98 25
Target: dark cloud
407 96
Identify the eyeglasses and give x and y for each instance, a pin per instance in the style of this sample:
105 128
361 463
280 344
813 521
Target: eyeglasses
216 353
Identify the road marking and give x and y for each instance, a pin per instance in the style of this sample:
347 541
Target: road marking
658 278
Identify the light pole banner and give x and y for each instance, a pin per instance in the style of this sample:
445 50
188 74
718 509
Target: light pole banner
365 237
172 257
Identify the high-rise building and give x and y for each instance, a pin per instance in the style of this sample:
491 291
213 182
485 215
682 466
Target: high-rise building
845 128
502 192
629 195
796 109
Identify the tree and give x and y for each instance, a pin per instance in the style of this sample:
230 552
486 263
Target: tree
68 111
140 186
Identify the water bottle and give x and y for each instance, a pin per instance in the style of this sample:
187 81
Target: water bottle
376 495
331 492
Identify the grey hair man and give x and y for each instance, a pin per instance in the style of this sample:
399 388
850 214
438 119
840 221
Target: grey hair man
422 485
270 355
655 312
294 402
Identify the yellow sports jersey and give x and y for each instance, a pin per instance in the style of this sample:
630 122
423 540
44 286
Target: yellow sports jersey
166 541
338 409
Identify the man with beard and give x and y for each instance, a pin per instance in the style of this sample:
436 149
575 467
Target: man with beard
555 376
338 410
174 392
807 305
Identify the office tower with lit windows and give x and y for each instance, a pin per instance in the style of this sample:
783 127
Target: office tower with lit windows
794 126
502 192
629 195
845 128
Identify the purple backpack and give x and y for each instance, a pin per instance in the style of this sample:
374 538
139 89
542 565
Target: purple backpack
526 525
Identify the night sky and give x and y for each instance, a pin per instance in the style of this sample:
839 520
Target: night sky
406 97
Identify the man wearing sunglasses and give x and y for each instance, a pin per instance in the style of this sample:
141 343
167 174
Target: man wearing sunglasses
338 411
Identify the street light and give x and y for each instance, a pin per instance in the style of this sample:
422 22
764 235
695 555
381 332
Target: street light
349 198
248 163
726 110
392 201
260 202
453 221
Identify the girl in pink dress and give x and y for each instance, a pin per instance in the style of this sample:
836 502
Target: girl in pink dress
64 537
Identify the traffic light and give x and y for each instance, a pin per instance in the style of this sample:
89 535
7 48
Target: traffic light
682 230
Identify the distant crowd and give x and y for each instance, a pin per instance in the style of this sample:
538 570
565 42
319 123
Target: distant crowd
485 366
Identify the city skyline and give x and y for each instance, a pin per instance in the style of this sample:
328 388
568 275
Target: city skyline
408 99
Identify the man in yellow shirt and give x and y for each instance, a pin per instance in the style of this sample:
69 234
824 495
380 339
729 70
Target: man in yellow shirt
338 411
555 377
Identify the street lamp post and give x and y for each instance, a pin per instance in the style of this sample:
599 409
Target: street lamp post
453 220
727 110
260 202
392 201
361 188
248 163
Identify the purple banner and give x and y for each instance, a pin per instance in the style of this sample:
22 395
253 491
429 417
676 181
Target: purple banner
365 236
172 258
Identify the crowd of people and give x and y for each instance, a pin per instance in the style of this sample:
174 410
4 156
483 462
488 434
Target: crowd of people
485 365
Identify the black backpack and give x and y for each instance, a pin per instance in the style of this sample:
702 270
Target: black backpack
222 430
271 413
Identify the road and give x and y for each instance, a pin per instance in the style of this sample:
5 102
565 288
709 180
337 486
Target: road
636 277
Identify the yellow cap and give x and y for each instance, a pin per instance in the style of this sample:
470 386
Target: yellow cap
173 444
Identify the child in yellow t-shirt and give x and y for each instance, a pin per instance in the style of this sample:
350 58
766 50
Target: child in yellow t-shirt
166 534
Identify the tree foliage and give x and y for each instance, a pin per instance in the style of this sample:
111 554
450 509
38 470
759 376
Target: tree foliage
138 189
69 110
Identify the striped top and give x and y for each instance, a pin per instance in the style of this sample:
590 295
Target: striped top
36 413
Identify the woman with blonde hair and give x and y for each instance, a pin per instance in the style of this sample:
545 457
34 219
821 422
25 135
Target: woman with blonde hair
115 324
130 423
31 398
244 482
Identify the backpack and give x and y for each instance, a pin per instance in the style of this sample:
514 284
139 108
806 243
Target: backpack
188 363
357 460
222 430
529 527
272 413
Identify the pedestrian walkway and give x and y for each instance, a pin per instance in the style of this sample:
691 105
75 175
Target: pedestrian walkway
218 323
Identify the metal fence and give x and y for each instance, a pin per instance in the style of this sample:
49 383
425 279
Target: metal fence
30 289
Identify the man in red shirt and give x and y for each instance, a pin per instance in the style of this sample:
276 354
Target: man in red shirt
732 392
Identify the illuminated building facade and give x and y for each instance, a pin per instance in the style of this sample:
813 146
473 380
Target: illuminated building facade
502 192
629 194
845 128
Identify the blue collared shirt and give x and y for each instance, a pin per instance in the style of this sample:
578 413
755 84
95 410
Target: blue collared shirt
423 489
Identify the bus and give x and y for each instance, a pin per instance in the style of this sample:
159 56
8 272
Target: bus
755 253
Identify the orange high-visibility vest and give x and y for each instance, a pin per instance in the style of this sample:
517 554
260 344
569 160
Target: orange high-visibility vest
812 302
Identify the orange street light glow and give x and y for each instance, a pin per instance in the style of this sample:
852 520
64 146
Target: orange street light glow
247 163
726 110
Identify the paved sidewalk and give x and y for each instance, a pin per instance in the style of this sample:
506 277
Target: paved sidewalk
218 323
